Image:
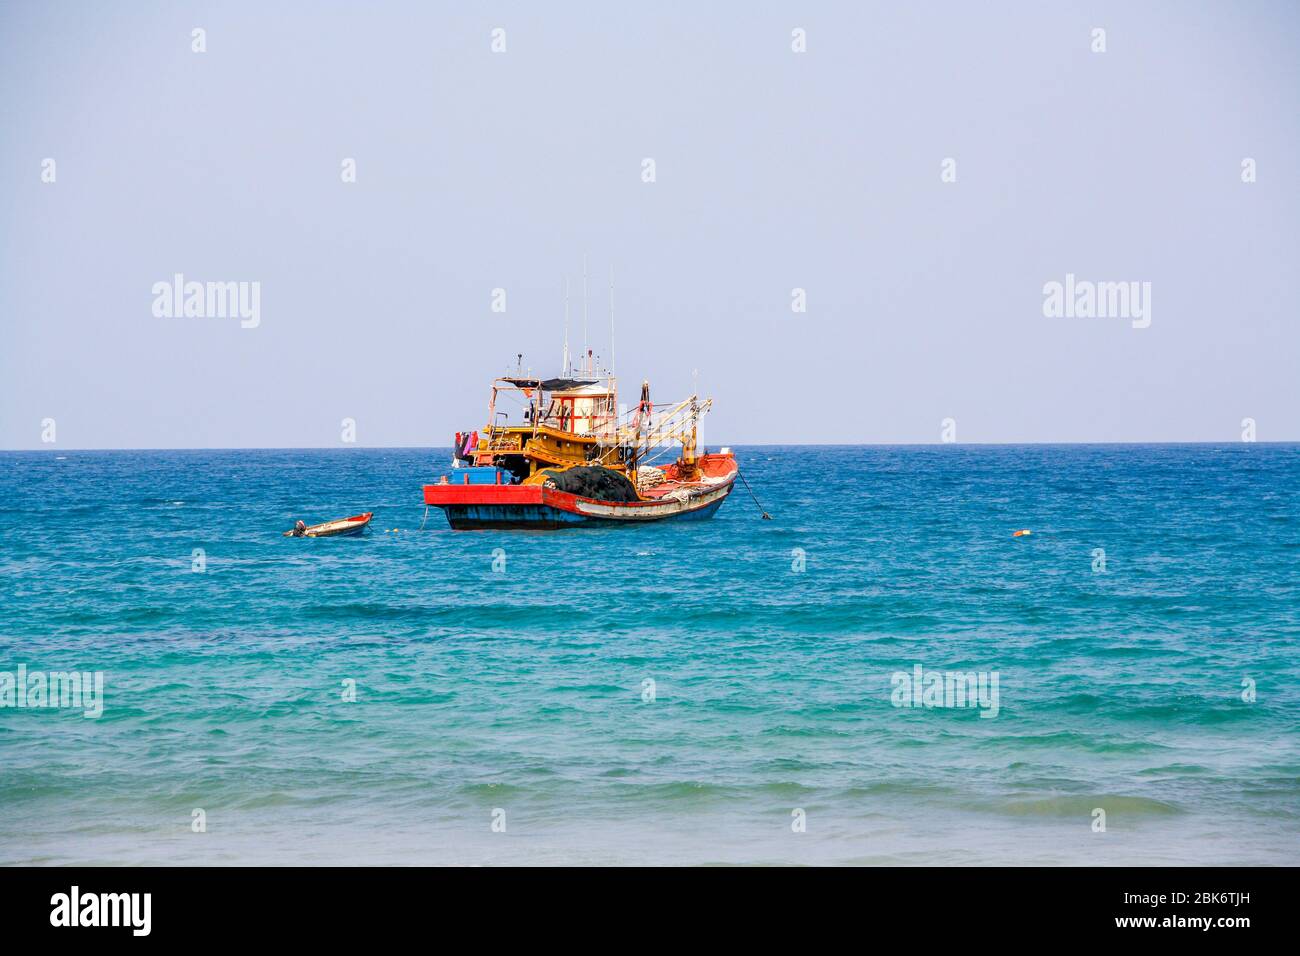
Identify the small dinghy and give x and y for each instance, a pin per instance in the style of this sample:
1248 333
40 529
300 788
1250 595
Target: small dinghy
331 529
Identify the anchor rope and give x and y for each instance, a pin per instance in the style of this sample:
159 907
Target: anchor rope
741 476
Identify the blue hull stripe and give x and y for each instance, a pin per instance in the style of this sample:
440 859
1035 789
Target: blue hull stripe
462 517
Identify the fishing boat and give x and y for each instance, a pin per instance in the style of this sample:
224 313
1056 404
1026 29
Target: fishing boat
572 461
343 527
570 458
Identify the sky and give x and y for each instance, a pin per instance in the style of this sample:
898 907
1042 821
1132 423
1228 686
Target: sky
774 170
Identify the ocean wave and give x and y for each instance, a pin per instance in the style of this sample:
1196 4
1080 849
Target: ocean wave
1118 807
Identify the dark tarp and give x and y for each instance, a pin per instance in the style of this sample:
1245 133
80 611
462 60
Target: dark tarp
551 384
592 481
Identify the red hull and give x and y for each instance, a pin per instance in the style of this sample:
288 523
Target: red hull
524 506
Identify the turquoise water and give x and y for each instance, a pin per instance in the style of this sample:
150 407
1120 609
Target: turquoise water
523 690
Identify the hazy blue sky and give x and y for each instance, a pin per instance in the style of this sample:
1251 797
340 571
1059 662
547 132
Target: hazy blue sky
774 170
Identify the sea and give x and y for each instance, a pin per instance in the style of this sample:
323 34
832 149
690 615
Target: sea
883 672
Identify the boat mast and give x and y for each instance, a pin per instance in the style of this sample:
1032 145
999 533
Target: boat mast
688 450
613 385
586 352
565 366
689 441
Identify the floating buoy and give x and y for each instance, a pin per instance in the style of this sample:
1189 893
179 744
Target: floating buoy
1016 534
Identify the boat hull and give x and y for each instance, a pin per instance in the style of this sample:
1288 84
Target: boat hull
345 533
534 506
343 528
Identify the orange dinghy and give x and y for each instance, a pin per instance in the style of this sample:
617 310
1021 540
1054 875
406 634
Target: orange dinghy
341 528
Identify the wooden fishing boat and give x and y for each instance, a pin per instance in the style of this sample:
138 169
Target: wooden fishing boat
575 460
341 528
470 501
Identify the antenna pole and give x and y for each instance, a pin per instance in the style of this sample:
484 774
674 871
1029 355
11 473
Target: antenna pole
611 320
584 311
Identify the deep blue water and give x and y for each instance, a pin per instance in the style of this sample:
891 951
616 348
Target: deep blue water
524 689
